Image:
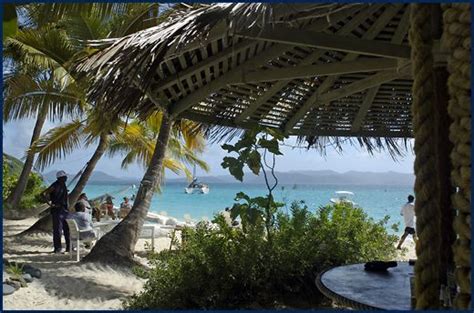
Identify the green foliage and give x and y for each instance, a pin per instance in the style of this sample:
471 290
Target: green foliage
10 20
254 212
247 149
15 270
34 187
9 180
224 267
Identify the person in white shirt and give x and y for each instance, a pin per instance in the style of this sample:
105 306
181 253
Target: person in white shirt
408 213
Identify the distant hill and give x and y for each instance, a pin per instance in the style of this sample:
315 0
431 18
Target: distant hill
96 177
14 165
324 177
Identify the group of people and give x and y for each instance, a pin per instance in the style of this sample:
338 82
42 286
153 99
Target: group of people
108 209
57 196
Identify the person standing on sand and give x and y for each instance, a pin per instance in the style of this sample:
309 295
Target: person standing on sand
57 194
408 213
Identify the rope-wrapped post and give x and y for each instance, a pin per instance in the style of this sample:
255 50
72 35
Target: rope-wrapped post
457 42
427 267
443 149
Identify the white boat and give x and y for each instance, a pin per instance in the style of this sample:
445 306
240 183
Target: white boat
343 197
196 186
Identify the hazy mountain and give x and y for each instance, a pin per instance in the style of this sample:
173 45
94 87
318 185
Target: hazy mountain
96 177
324 177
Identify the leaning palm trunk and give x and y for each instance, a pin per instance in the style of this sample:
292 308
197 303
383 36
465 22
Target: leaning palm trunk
13 200
25 213
74 195
43 225
118 246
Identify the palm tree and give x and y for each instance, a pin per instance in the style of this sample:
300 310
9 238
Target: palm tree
134 139
56 38
118 245
39 86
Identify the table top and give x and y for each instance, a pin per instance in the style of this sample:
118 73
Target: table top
380 290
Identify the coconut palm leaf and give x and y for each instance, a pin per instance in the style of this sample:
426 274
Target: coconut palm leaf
82 27
40 14
137 16
45 48
58 143
24 95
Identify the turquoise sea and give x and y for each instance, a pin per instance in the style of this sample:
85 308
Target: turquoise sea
377 201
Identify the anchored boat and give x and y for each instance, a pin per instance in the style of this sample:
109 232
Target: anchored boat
343 197
196 186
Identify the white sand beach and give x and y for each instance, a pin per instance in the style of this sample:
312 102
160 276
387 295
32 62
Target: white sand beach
68 285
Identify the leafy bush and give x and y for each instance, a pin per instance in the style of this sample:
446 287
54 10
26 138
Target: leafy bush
9 180
34 187
222 267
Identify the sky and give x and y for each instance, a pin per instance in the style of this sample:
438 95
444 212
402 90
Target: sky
17 136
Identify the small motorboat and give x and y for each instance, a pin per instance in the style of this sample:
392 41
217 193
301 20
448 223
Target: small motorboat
343 197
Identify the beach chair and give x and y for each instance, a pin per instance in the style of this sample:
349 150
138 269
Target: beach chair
74 235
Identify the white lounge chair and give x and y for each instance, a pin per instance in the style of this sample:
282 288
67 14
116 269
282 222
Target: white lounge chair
74 234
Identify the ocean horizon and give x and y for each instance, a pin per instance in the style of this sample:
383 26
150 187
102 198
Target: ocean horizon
377 201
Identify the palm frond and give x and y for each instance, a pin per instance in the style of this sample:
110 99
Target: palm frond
46 48
23 97
57 143
53 12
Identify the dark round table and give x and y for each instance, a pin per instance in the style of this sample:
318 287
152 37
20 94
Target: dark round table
353 286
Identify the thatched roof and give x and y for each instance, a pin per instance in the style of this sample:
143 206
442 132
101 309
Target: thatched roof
316 70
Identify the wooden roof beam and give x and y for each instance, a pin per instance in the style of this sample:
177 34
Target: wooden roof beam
370 34
324 69
364 108
313 39
267 95
347 133
209 119
398 37
313 57
358 86
317 99
267 54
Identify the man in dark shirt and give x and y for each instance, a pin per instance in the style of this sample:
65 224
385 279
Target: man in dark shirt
57 194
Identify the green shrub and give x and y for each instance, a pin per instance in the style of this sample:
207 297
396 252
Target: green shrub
34 187
223 267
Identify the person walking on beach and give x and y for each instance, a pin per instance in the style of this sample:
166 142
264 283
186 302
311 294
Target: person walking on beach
408 213
57 194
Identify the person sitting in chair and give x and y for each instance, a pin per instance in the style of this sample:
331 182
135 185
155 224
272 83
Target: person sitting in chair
107 208
83 198
125 208
83 221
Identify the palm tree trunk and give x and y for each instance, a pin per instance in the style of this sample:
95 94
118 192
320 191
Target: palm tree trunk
14 198
118 246
81 183
43 225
